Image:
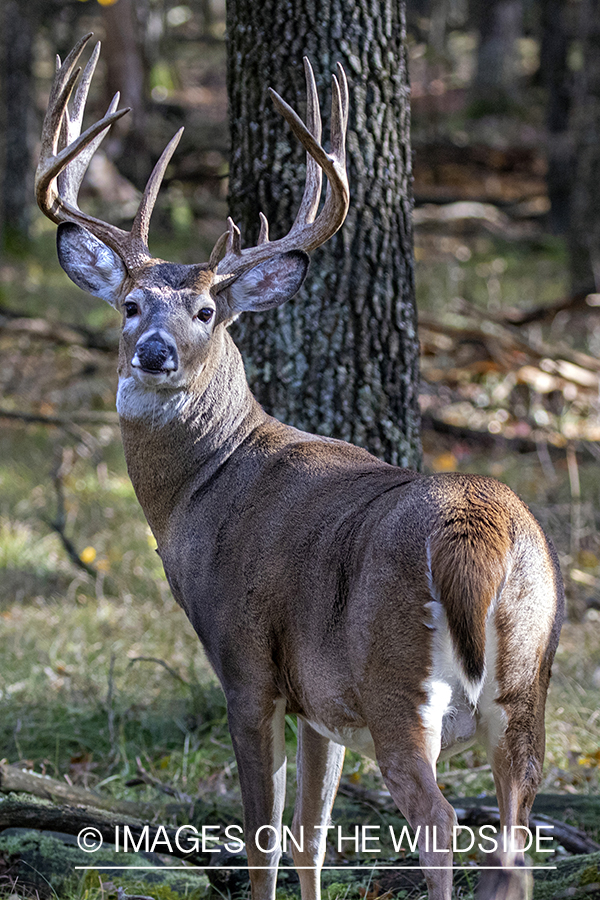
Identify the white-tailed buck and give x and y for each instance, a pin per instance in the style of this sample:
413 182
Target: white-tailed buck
401 615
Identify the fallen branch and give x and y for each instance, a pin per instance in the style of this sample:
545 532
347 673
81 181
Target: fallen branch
509 333
18 781
15 322
432 422
87 417
74 820
572 839
515 316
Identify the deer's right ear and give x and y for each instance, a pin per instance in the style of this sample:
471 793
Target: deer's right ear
88 262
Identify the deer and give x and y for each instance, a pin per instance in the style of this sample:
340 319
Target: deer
399 614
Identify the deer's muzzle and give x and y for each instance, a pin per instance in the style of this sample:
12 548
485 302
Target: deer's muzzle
155 355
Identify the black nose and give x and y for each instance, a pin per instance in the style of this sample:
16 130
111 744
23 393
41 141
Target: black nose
155 355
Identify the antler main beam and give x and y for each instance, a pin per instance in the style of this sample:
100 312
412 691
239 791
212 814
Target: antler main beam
306 233
66 154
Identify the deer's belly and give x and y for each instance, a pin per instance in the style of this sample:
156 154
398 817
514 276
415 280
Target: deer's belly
358 739
458 728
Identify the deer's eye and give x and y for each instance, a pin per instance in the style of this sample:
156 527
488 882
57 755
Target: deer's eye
205 314
131 309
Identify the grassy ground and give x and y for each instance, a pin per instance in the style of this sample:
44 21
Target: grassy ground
102 670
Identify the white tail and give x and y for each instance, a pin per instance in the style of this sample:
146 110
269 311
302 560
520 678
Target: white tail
401 615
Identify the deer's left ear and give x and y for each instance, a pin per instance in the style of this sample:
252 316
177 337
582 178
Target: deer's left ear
270 283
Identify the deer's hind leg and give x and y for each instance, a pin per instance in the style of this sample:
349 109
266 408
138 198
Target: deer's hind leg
512 706
515 747
410 779
409 692
407 739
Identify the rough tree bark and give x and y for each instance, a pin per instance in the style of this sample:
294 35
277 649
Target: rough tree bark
342 358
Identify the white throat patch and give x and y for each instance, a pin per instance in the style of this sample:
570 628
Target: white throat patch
154 407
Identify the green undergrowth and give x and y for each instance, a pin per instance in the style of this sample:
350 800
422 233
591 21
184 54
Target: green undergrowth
489 271
101 673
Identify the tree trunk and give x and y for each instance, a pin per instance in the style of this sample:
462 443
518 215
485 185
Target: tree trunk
342 358
584 226
125 72
495 85
556 80
16 76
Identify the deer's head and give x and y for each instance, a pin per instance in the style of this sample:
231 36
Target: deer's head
171 312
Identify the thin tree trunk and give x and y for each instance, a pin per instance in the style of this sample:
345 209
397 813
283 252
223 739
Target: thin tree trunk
125 72
584 230
16 80
342 358
495 85
556 80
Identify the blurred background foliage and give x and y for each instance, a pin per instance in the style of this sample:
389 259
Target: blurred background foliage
101 674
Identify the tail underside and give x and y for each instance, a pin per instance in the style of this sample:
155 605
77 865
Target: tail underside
468 559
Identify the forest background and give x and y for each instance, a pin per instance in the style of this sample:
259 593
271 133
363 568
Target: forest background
103 684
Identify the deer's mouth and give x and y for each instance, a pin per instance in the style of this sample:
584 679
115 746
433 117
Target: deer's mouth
152 377
155 360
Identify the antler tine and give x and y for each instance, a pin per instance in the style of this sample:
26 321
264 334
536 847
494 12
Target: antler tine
234 238
215 255
263 237
343 81
66 154
314 173
141 223
59 128
64 71
339 116
69 180
306 233
81 94
52 164
337 196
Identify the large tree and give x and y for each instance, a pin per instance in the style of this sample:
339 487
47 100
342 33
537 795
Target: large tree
342 358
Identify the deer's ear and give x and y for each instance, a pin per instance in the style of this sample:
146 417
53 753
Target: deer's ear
88 262
270 283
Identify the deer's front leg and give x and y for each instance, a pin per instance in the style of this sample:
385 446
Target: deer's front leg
259 743
319 767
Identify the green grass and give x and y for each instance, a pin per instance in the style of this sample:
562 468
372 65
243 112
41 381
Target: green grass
73 699
489 271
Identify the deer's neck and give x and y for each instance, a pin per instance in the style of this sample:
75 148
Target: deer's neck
176 441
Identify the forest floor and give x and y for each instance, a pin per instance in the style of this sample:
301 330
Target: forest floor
103 683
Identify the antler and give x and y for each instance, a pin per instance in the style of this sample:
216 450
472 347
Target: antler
66 154
306 233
